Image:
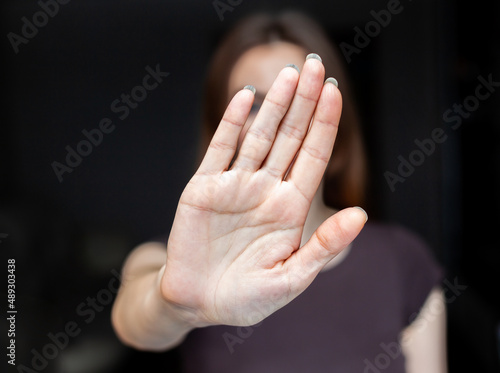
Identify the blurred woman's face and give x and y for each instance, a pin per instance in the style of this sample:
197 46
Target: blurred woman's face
259 66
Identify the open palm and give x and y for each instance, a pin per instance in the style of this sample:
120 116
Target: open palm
234 254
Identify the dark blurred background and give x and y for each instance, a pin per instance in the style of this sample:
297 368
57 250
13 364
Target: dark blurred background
68 238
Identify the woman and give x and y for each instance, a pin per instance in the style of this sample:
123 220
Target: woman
252 231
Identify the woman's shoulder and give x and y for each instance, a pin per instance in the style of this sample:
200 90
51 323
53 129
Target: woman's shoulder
402 256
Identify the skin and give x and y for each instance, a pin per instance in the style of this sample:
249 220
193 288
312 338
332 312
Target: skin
260 65
242 261
234 254
251 231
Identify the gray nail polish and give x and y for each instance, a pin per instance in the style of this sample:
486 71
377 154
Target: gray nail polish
315 56
333 81
366 215
294 66
250 88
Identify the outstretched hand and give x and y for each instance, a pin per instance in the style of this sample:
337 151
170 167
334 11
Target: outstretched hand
233 254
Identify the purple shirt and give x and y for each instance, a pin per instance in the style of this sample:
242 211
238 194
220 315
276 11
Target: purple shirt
348 320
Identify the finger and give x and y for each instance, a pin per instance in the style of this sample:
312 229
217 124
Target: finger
296 122
261 133
223 145
314 153
335 234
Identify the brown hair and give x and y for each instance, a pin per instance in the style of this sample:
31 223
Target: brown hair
345 177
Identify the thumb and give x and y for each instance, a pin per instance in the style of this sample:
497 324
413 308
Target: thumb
331 237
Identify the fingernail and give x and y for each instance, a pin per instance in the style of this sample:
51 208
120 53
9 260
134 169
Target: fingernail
366 215
250 88
333 81
315 56
294 66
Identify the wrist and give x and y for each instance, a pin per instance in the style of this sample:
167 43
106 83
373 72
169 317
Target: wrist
187 317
